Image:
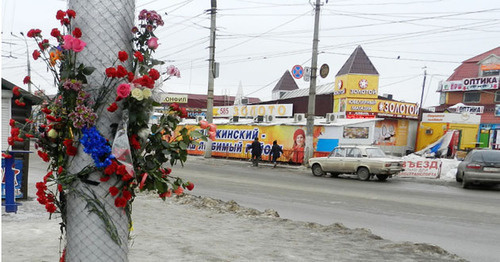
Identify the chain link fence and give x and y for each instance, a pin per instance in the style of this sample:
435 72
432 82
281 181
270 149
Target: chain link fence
106 28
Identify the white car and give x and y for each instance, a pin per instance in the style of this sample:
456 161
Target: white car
364 161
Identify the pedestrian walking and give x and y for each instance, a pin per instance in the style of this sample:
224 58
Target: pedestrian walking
256 151
276 152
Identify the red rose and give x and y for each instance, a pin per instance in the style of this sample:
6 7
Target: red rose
139 56
120 202
154 74
166 194
122 56
77 33
12 123
26 80
111 72
55 33
174 106
36 54
113 107
60 14
145 81
16 91
114 191
59 188
71 13
121 71
190 186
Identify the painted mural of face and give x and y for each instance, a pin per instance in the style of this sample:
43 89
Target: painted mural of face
300 140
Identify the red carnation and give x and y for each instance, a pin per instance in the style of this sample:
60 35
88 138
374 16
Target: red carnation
59 188
113 107
145 81
109 170
60 14
65 21
127 195
6 155
127 176
114 191
134 142
51 208
29 135
183 112
36 54
10 140
77 33
111 72
34 32
105 178
46 110
27 80
44 156
55 33
122 56
44 44
19 103
71 151
71 13
121 71
178 190
139 56
166 194
130 76
12 123
121 170
16 91
120 202
154 74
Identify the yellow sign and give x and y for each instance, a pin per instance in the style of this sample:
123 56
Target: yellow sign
175 98
383 107
354 86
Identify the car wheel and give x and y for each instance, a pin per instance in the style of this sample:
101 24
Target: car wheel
317 171
457 177
335 175
363 173
465 183
382 177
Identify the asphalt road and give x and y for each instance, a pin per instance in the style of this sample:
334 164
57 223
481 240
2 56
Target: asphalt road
464 222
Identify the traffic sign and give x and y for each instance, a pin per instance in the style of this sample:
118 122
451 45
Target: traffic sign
297 71
323 72
307 74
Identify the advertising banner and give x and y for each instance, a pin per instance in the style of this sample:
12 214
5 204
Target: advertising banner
18 177
253 110
391 132
234 141
421 167
383 108
480 83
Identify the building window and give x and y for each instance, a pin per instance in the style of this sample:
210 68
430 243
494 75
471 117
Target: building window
442 98
497 97
491 73
472 97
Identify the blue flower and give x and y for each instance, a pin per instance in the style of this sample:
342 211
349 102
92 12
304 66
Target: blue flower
96 146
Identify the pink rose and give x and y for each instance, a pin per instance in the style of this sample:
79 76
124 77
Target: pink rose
153 43
123 90
78 45
68 42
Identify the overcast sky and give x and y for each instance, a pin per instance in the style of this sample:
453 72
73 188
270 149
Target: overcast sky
258 40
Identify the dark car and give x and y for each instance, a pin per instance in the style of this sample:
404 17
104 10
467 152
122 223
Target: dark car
479 166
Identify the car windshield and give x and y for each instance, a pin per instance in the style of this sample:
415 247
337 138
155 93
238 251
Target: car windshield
375 152
491 156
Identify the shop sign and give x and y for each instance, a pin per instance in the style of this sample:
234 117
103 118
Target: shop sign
490 67
254 110
462 118
480 83
175 98
471 109
450 86
383 107
421 168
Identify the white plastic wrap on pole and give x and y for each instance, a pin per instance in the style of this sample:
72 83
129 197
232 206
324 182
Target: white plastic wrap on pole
106 27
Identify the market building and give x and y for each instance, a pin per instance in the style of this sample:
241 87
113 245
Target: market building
472 92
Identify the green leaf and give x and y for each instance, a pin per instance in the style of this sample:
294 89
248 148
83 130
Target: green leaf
156 62
88 70
195 134
182 145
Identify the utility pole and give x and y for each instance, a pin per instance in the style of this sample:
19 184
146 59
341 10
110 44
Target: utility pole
420 110
211 75
311 107
27 59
